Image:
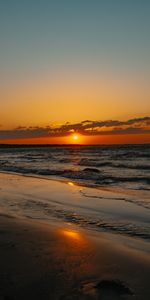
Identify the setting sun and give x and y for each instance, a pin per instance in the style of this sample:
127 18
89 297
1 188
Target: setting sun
75 137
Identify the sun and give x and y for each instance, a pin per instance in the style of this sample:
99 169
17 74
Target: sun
75 137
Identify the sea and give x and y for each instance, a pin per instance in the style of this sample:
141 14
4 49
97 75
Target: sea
96 170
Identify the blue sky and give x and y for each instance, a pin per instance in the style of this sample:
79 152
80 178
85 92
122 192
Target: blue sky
40 34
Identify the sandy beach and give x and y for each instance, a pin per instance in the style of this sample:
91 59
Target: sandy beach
59 260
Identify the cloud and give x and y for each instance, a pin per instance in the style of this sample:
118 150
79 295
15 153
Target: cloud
87 127
24 132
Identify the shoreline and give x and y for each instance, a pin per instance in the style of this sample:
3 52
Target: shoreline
76 182
96 209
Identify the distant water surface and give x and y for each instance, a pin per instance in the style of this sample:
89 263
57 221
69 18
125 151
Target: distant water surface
124 166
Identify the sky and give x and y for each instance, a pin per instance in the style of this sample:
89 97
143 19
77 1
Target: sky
69 62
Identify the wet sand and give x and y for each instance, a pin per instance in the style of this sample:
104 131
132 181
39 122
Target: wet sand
59 260
39 261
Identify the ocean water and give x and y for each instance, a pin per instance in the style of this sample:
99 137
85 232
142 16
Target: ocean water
126 166
111 183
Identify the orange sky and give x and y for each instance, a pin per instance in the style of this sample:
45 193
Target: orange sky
105 139
72 96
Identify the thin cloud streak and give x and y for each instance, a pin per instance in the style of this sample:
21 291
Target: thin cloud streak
87 127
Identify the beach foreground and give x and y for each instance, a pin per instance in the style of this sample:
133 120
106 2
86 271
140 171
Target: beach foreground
46 254
39 261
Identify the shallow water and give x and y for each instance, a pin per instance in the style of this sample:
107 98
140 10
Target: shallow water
92 208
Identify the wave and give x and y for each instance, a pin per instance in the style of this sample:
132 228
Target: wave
91 174
138 202
125 165
95 163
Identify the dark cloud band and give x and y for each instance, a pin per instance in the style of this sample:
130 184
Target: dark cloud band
87 127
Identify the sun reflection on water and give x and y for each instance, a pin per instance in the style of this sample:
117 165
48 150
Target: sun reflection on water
72 234
70 183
